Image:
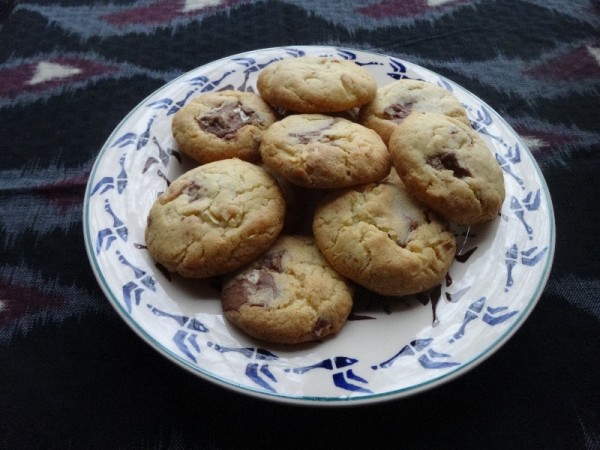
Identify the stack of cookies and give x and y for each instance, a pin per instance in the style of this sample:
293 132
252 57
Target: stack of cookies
389 169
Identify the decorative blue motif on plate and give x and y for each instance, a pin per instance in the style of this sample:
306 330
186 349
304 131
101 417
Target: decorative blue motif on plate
192 339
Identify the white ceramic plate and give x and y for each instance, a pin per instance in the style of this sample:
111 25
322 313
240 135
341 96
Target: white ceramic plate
389 348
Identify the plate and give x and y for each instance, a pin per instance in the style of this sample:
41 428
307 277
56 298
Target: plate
389 348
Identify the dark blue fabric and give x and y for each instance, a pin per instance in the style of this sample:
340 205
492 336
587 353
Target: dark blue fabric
72 375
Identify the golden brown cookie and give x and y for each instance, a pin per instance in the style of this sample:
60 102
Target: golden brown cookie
319 151
215 219
288 295
380 237
394 101
222 124
314 84
448 166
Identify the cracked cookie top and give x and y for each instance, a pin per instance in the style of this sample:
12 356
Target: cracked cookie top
320 151
312 84
379 236
448 166
223 124
288 295
396 100
215 218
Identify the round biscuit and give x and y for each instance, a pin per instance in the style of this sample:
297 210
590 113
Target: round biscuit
379 236
319 151
449 167
215 218
314 84
396 100
289 295
221 125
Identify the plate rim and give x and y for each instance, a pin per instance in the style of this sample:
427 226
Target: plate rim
305 400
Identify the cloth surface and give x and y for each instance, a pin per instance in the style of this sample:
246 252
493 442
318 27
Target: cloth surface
73 375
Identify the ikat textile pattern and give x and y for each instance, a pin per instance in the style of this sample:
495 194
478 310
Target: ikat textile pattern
71 70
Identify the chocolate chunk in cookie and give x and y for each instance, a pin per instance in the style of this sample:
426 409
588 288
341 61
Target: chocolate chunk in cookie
224 122
221 125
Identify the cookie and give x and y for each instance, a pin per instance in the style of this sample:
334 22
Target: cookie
394 101
379 236
288 295
314 84
215 218
220 125
448 166
319 151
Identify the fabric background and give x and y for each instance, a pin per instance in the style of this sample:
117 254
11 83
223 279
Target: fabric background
73 375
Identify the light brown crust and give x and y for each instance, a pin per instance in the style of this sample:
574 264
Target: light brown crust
395 101
320 151
222 124
313 84
289 295
214 219
448 166
380 237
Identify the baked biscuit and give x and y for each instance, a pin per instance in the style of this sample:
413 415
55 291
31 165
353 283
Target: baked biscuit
319 151
448 166
288 295
222 124
215 219
379 236
314 84
394 101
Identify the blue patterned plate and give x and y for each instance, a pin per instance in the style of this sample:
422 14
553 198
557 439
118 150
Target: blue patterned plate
389 348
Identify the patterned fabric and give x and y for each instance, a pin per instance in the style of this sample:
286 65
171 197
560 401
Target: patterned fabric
72 375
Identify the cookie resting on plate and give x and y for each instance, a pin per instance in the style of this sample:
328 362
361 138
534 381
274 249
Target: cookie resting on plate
449 167
215 218
379 236
396 100
314 84
320 151
222 124
288 295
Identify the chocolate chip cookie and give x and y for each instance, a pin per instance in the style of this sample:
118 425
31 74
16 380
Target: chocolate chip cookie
314 84
288 295
215 219
320 151
449 167
379 236
395 101
222 124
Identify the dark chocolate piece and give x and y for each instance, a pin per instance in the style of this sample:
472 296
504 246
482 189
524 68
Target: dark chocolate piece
398 111
321 328
236 292
225 121
311 136
193 190
448 161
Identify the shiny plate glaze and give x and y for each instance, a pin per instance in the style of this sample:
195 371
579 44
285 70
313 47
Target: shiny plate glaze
389 348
